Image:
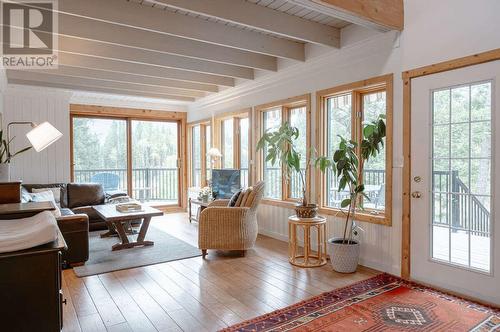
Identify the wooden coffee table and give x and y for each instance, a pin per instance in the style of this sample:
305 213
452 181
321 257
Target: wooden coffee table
117 220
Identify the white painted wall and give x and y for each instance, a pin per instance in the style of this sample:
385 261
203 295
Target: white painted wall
38 104
434 31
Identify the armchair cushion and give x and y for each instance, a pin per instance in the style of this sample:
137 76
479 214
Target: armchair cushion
246 196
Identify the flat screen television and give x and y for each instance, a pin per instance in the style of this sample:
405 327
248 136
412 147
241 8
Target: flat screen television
225 182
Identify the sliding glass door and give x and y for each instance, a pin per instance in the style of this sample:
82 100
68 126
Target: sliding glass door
155 152
100 152
140 157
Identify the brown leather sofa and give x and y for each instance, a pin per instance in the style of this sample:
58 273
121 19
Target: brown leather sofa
77 216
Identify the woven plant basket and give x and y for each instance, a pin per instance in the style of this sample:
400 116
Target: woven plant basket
343 257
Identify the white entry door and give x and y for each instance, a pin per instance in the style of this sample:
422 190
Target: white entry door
455 225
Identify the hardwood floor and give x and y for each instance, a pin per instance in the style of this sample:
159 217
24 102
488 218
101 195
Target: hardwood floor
195 294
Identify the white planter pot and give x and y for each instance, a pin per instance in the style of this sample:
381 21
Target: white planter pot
344 257
4 172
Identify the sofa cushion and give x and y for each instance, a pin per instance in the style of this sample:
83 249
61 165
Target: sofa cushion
63 197
84 194
55 191
250 198
46 196
89 211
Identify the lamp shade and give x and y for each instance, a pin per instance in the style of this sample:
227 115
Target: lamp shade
214 153
43 135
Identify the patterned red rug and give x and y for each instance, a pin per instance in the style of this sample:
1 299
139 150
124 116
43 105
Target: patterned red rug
381 303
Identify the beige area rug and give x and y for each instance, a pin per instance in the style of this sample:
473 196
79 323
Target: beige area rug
101 259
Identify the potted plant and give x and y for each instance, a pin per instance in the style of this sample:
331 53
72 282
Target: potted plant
347 167
6 157
281 149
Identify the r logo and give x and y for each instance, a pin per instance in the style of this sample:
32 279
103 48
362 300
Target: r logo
28 28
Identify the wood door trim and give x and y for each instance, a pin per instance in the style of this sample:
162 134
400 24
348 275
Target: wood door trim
407 76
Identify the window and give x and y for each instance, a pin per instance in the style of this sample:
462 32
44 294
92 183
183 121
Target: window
232 134
343 111
228 143
244 150
461 175
126 152
208 146
296 112
200 141
196 153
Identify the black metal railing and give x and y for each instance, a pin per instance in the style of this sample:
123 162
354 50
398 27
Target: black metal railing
148 184
455 205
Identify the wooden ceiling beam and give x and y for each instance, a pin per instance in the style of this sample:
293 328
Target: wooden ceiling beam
99 90
123 53
63 70
147 18
383 15
261 18
76 81
84 61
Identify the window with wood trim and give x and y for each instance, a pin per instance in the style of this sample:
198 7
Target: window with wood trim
342 112
295 111
199 141
233 136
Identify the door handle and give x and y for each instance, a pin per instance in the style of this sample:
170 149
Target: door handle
416 194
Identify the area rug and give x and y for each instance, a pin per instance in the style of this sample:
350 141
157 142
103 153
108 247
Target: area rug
101 259
382 303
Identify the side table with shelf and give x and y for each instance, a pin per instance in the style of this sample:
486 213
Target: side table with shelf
309 257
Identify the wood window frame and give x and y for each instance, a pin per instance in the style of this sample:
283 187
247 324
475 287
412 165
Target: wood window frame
203 150
217 137
357 90
285 105
130 114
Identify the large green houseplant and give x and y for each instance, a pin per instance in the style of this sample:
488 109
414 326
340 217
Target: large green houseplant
347 167
6 156
280 147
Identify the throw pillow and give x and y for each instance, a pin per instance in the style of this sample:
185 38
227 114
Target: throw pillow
25 195
245 197
46 196
234 198
240 197
55 191
251 198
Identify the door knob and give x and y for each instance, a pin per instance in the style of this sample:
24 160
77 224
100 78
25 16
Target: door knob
416 194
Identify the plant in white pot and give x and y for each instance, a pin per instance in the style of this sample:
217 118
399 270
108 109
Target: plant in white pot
6 157
347 167
280 148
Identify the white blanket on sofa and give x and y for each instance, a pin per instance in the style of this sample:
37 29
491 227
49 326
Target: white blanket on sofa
19 234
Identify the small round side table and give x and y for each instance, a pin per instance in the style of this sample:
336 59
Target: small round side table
308 258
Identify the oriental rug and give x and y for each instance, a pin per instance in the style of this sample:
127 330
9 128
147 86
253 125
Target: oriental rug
381 303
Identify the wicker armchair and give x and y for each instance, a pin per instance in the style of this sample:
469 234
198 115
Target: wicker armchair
229 228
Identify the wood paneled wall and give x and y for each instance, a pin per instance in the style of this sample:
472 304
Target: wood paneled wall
29 104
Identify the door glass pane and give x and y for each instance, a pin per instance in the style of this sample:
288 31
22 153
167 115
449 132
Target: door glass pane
461 175
244 151
208 145
298 119
227 143
196 151
155 176
272 174
338 123
100 152
374 104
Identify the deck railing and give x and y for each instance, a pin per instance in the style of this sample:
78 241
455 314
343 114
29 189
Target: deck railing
148 184
454 205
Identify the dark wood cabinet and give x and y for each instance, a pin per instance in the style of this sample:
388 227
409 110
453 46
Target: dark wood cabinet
30 287
10 192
